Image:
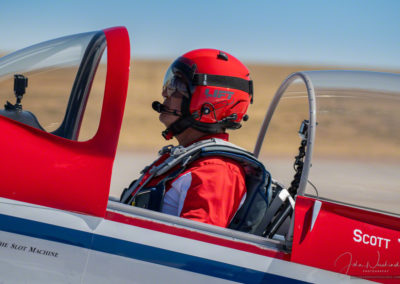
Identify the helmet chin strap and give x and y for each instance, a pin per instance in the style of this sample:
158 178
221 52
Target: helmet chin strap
177 127
185 122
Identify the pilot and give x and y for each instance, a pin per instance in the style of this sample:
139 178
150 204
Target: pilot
205 92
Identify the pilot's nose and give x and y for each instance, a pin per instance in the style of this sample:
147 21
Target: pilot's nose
164 94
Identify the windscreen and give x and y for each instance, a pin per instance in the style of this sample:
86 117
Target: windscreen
282 140
356 157
51 69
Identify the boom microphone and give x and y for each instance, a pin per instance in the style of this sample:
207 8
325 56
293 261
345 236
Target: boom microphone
160 108
157 106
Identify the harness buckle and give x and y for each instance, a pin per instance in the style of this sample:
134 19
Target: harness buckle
145 169
165 149
177 151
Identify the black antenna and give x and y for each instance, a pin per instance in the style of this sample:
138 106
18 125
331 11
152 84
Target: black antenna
222 56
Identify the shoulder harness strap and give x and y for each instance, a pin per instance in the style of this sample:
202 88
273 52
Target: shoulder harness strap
178 155
258 181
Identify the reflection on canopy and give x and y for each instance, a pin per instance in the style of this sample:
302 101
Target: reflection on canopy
356 151
54 69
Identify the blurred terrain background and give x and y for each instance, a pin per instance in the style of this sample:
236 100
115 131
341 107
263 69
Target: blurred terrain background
141 129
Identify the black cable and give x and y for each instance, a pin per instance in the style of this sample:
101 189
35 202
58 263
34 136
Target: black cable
315 188
298 167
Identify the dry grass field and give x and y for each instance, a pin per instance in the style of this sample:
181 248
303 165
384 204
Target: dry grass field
141 130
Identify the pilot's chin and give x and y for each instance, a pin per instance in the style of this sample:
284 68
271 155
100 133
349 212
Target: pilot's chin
163 117
167 119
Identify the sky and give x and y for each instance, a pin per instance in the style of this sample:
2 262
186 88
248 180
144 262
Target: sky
364 33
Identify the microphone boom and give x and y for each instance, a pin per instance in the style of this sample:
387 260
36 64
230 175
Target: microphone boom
160 108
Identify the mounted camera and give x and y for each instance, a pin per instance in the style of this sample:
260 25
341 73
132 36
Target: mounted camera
20 85
303 131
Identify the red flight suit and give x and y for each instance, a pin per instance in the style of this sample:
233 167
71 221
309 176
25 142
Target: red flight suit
209 190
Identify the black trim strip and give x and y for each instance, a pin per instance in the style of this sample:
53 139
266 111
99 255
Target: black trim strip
224 81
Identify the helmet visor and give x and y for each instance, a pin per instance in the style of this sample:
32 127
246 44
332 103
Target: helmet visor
174 85
182 68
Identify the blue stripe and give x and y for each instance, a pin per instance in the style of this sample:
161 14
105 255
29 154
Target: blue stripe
137 251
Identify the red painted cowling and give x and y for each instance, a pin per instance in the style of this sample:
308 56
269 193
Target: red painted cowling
346 240
40 168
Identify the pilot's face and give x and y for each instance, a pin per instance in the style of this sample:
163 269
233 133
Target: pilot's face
173 92
173 103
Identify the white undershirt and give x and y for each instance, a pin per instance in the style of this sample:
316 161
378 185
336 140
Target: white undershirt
176 195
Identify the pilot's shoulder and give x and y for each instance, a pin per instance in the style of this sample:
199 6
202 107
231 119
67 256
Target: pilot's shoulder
217 162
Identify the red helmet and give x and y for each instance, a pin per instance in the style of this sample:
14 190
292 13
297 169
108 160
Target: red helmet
219 88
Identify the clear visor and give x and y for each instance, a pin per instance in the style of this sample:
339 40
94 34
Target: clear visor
173 85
